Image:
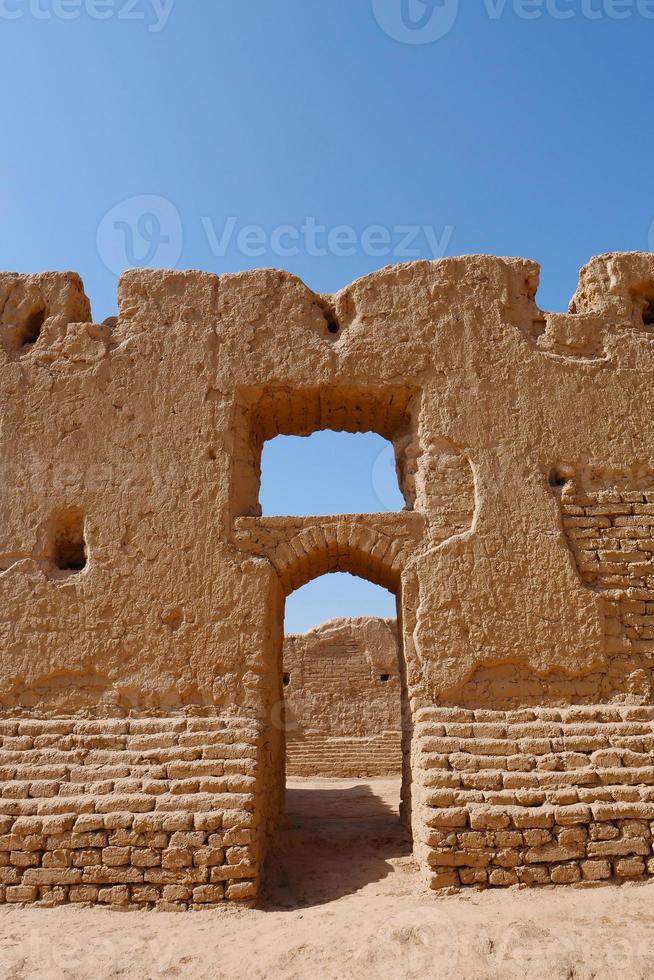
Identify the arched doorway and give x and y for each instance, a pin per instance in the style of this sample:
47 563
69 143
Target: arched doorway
378 545
341 832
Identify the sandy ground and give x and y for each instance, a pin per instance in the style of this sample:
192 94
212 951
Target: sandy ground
344 900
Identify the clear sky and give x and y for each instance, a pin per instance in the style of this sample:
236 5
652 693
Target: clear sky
329 138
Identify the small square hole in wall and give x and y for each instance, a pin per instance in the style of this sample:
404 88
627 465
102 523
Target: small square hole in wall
286 680
648 314
557 479
31 330
69 545
384 678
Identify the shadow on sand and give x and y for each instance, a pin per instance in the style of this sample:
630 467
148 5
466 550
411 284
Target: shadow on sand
332 842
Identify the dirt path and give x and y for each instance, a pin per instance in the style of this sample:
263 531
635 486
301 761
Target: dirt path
344 900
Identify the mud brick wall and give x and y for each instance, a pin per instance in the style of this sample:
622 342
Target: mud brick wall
131 813
343 698
139 579
607 517
344 756
609 522
535 796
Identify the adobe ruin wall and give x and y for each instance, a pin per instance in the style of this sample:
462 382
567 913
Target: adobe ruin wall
141 621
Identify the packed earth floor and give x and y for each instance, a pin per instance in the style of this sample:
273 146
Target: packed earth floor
343 898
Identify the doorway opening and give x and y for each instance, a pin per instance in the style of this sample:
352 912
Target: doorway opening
342 681
344 691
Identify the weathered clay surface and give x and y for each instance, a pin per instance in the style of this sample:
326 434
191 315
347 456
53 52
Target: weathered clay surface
342 699
140 581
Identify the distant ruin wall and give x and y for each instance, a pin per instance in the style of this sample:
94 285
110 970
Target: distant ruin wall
343 694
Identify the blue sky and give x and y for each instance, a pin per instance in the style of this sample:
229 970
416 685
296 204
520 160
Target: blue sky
331 473
223 134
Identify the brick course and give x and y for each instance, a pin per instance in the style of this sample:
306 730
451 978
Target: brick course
80 823
555 815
